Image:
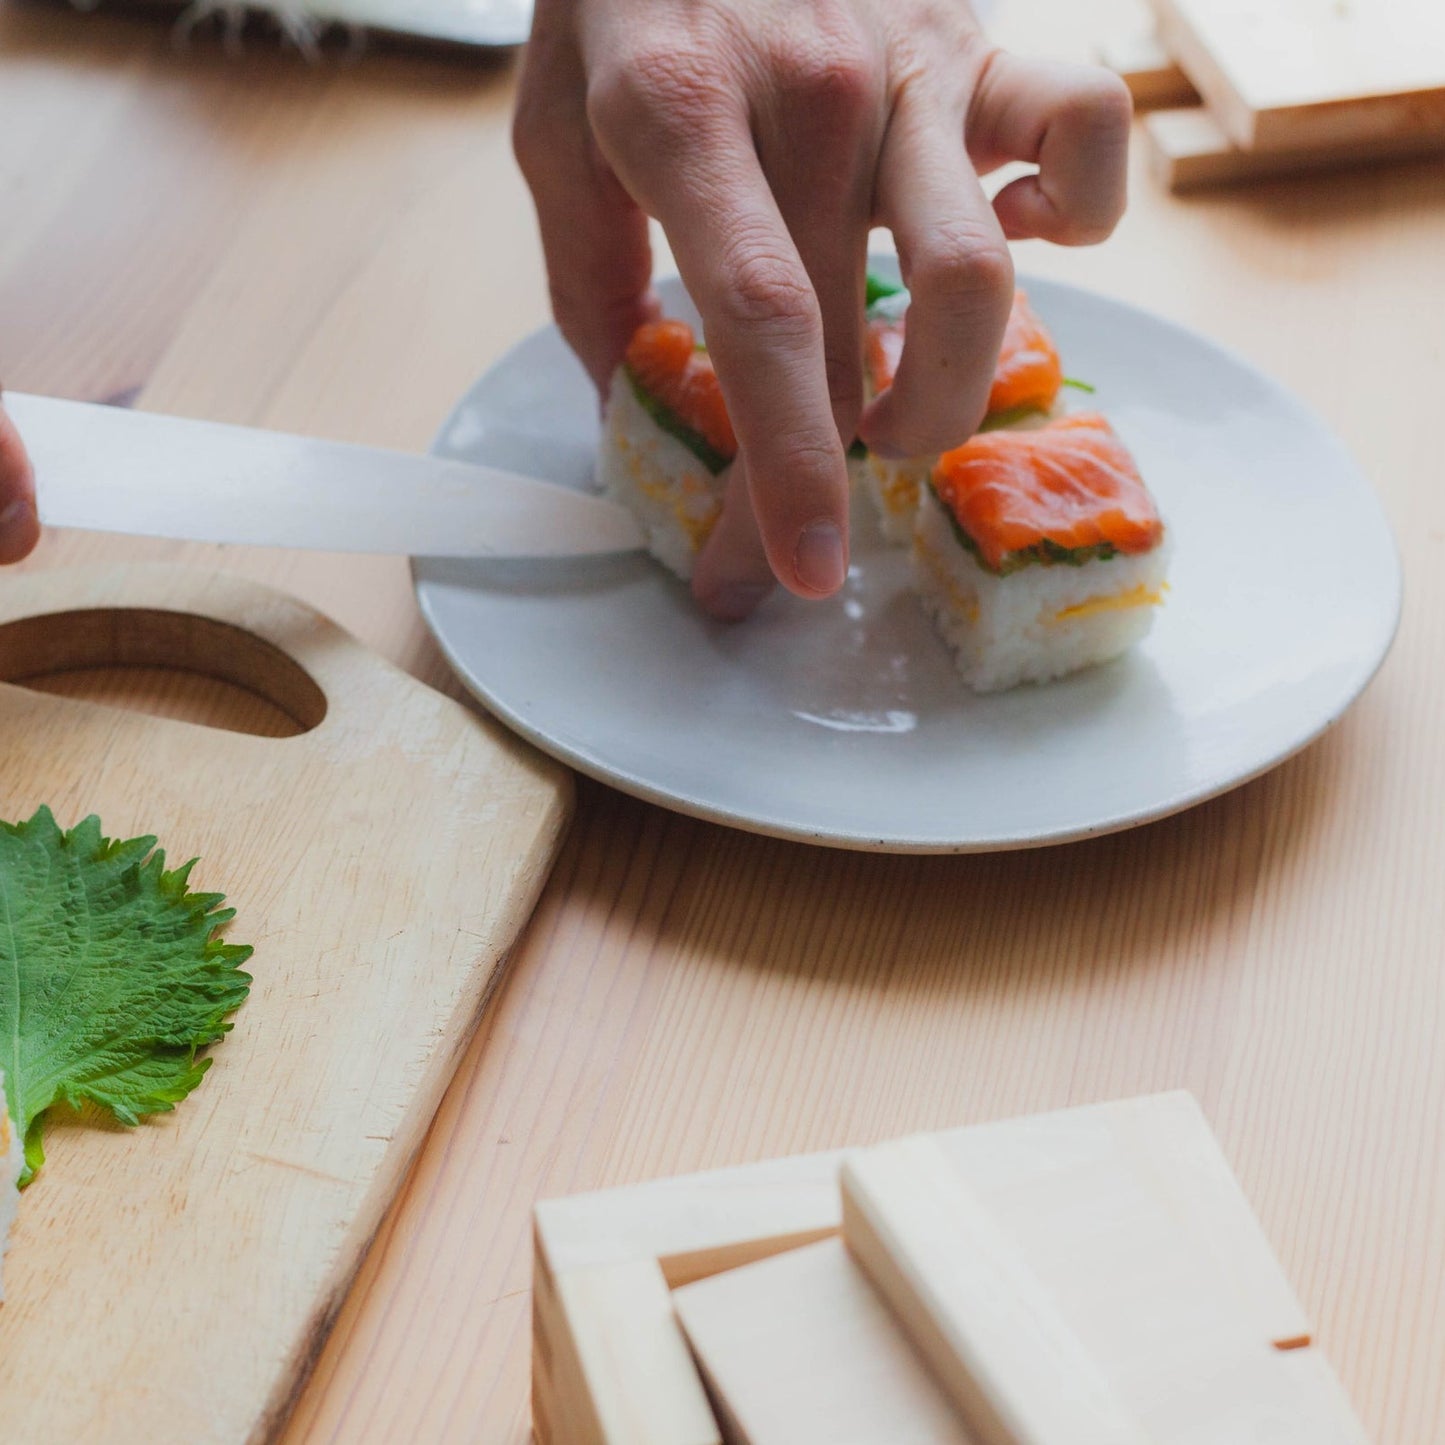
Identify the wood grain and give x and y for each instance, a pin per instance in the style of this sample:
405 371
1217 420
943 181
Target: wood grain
685 997
382 860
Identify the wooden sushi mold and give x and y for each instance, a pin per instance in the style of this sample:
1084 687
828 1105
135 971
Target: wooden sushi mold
1239 90
1084 1276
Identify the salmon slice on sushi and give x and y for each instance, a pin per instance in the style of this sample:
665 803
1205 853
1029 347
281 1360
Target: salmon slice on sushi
1025 390
667 441
1039 552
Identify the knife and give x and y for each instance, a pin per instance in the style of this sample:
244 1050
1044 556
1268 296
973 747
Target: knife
112 470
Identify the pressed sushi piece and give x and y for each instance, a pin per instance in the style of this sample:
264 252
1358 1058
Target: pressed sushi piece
667 441
1026 386
12 1160
1039 552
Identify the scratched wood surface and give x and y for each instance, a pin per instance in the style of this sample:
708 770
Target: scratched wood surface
340 251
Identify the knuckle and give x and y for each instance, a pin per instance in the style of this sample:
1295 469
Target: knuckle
1104 105
963 260
832 75
655 89
767 290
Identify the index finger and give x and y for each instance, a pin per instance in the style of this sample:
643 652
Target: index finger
764 331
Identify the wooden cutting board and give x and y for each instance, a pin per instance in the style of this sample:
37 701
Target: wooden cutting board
176 1281
1281 74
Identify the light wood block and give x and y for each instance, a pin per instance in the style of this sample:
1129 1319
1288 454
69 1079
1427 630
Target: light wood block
1188 150
179 1279
1127 1213
968 1298
592 1249
1291 74
1151 73
612 1325
799 1349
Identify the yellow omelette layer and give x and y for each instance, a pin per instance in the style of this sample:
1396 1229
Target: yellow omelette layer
1140 596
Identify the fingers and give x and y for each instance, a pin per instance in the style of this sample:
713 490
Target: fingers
599 261
1073 123
760 314
957 267
732 574
19 524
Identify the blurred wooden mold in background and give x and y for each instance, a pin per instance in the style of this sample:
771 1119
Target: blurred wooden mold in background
1244 91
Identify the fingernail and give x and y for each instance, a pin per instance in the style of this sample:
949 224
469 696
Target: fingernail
818 561
887 452
736 600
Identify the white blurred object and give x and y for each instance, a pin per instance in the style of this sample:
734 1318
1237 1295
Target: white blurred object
486 23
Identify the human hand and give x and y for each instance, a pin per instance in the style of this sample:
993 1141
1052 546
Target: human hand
766 139
19 525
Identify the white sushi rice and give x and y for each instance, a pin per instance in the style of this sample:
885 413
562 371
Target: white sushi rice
674 497
1039 622
895 488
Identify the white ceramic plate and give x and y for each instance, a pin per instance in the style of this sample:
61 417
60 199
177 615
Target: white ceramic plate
843 722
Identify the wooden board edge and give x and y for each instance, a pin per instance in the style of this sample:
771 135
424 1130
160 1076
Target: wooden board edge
1187 150
1398 118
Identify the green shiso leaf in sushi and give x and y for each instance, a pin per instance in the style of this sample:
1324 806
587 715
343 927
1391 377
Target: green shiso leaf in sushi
667 441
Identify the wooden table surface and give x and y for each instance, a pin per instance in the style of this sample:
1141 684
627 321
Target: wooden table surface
340 250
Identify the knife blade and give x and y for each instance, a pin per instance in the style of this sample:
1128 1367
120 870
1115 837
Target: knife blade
112 470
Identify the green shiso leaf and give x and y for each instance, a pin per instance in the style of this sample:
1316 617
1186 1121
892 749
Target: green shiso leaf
674 426
111 975
857 449
1080 385
1010 416
1044 553
875 288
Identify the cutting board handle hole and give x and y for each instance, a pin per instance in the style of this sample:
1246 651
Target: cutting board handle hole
173 664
